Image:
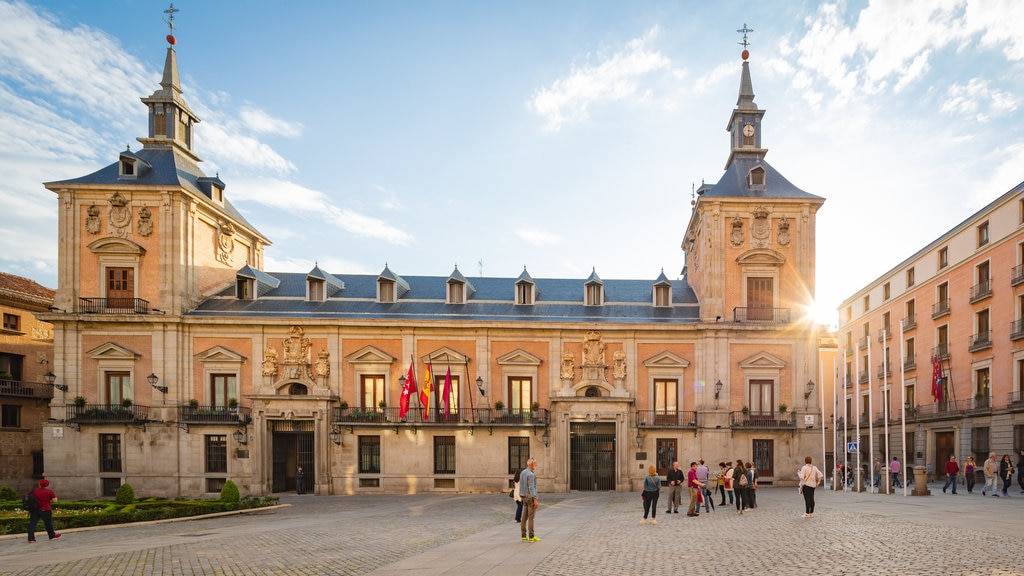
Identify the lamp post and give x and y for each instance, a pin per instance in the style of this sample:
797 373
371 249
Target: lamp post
153 379
718 390
50 378
808 390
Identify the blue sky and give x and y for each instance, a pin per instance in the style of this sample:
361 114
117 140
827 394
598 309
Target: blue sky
561 136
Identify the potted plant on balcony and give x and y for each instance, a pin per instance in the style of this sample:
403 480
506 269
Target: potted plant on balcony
383 407
79 401
193 403
783 408
233 403
343 404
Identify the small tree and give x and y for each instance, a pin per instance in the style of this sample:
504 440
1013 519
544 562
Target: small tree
499 405
7 493
125 495
79 401
783 408
229 493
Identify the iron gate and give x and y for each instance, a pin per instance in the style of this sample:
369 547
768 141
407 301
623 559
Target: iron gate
592 456
293 447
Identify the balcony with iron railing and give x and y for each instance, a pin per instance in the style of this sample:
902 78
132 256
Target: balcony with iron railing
909 363
438 417
19 389
884 370
208 414
1017 329
979 341
981 403
941 351
864 376
761 315
862 343
1017 275
666 419
763 420
884 334
113 306
981 290
1015 400
940 308
107 413
910 322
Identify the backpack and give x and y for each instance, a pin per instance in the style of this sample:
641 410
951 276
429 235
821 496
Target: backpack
29 501
743 479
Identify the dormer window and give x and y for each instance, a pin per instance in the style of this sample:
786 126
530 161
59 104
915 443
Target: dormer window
245 288
757 176
315 291
456 292
385 291
524 292
127 167
594 294
218 194
663 295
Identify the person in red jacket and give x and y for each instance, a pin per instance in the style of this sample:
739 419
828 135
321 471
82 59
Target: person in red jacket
952 471
45 497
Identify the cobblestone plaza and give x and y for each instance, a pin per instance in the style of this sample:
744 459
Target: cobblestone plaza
582 533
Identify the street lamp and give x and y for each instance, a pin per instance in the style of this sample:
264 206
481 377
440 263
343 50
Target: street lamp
50 377
718 390
809 389
639 439
153 379
480 385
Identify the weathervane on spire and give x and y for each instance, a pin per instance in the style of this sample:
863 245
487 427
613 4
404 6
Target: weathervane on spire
745 43
170 23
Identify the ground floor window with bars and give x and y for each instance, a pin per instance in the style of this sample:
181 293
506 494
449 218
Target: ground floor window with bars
444 454
518 453
216 453
369 454
110 452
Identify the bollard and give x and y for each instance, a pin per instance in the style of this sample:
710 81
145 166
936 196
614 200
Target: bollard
921 482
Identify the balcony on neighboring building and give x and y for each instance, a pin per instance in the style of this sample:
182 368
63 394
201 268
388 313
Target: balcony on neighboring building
863 342
1015 400
864 376
761 315
1017 329
909 363
763 420
666 419
939 410
909 322
32 390
1016 275
201 414
979 341
981 403
107 413
941 351
940 309
884 334
113 306
884 370
981 290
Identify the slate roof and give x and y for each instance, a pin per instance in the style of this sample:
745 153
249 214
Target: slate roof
167 168
734 183
559 300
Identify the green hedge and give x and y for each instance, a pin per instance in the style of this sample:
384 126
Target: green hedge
80 513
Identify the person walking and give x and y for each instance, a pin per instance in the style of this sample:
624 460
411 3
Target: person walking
952 470
1006 474
876 473
300 478
529 496
693 484
810 477
675 488
652 489
991 468
894 467
45 498
517 498
969 469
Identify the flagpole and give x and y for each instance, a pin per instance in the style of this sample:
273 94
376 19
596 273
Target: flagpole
821 406
856 395
886 397
871 421
846 418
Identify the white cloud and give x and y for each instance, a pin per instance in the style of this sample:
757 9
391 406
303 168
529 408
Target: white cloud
295 199
259 121
615 77
539 237
976 98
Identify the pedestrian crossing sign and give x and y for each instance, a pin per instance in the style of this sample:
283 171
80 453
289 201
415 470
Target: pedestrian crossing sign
851 447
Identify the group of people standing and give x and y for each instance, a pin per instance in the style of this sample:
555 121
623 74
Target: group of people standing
736 481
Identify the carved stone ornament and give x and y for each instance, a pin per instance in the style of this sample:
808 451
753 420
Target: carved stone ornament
760 229
783 235
736 235
296 347
92 221
145 221
593 349
323 366
120 215
225 242
619 368
270 361
568 366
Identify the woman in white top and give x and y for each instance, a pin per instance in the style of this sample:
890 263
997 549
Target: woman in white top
810 477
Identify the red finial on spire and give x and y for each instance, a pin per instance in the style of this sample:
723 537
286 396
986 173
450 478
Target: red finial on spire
746 53
170 23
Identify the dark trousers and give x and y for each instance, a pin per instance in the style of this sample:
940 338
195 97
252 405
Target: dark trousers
33 519
741 498
651 504
808 493
751 498
519 511
969 479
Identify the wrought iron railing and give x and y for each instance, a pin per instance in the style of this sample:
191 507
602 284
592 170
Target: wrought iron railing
762 420
1017 275
666 419
104 413
1017 329
941 351
910 322
435 416
113 306
206 414
979 341
21 389
981 290
940 308
765 315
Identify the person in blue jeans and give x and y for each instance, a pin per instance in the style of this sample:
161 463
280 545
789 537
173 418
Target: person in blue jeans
45 497
952 471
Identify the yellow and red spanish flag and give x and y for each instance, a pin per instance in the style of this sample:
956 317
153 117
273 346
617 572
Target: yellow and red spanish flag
428 387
